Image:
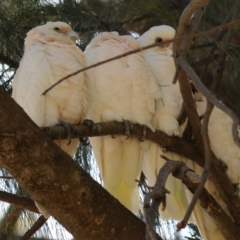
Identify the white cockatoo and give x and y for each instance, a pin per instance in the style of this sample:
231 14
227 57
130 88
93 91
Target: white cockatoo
51 54
224 147
168 108
121 90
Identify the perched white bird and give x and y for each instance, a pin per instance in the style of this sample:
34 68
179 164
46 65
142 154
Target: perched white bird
168 108
224 147
51 54
124 89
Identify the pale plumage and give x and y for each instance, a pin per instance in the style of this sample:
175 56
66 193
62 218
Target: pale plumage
224 147
162 65
120 90
51 54
168 108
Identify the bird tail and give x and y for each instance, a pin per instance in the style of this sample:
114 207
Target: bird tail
120 164
206 225
176 201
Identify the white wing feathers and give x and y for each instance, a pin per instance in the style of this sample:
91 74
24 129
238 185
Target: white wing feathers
120 90
165 119
167 110
27 92
43 63
51 54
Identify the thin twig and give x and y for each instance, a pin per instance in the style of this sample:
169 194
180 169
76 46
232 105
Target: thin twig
203 45
211 97
5 177
36 226
231 16
156 197
190 36
188 24
204 61
206 170
23 202
191 180
186 15
174 144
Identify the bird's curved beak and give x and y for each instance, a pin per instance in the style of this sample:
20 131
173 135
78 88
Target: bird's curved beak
73 35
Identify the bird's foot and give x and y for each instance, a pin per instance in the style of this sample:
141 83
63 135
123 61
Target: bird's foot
90 123
68 127
223 165
144 132
236 192
128 127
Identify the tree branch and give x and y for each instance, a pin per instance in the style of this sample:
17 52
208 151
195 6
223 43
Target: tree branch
207 165
208 203
53 179
157 196
36 226
174 144
23 202
191 180
211 97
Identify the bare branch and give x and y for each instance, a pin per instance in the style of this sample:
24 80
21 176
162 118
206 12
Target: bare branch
206 170
191 180
233 14
211 97
5 177
175 144
156 197
23 202
190 106
188 24
207 60
203 45
186 16
229 229
36 226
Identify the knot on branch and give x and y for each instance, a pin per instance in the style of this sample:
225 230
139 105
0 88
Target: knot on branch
158 196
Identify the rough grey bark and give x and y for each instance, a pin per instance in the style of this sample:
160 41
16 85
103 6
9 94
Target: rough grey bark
52 178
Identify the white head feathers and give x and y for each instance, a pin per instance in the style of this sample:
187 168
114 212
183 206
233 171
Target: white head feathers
51 32
158 34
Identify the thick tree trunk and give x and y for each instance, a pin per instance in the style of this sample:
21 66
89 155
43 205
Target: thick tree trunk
52 178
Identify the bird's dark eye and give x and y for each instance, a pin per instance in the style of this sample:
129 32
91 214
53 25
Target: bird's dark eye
158 40
57 29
